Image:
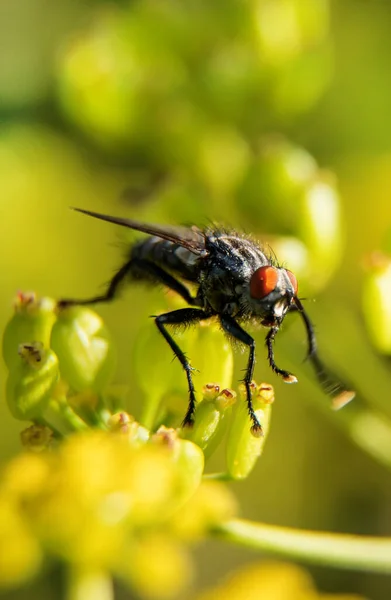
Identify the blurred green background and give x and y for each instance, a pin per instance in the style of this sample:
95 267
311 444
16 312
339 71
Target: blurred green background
267 115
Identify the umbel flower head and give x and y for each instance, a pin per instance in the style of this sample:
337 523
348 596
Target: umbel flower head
109 501
96 489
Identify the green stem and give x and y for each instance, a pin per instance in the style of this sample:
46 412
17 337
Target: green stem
86 584
223 476
59 413
151 409
45 423
334 550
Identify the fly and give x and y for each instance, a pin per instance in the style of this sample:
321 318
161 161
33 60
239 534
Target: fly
235 282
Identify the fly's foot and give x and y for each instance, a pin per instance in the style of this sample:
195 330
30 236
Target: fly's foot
256 428
188 421
288 377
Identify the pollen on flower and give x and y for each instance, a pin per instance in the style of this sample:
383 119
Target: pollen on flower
120 422
266 393
226 398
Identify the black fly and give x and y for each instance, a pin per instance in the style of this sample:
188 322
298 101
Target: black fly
236 282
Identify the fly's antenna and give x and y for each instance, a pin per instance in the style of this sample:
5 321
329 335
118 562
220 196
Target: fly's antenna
329 384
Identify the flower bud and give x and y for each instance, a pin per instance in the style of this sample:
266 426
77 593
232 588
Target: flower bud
243 448
189 460
320 228
30 384
304 201
120 422
211 353
210 418
161 377
222 158
376 302
281 173
156 372
286 29
84 349
33 319
124 424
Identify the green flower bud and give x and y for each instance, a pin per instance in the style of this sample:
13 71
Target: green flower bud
317 251
84 68
243 448
294 52
158 375
124 424
320 228
223 157
210 418
120 422
376 302
280 173
286 28
33 319
188 458
305 203
84 349
161 377
211 353
156 372
30 384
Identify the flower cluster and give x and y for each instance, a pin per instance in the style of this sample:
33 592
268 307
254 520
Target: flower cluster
95 488
115 502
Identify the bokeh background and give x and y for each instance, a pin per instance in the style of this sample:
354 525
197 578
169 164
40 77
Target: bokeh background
270 115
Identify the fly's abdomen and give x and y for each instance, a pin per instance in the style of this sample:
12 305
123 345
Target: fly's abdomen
169 256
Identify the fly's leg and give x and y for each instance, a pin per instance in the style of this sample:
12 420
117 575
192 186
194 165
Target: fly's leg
330 384
159 275
110 293
139 268
233 329
287 377
183 316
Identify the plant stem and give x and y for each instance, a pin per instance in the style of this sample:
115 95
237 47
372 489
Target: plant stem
86 584
334 550
223 476
151 408
61 408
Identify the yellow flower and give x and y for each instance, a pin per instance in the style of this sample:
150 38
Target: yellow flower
157 566
211 504
20 556
91 500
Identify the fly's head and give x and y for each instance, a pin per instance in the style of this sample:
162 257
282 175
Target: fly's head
272 293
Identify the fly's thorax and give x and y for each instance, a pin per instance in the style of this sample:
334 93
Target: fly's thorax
226 271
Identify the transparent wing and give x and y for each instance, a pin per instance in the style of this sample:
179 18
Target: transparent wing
191 238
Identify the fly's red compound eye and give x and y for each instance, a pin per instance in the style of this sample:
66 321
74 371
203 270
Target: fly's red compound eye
293 281
263 281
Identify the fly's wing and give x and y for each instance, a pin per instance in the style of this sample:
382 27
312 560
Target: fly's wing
190 238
